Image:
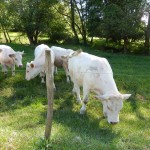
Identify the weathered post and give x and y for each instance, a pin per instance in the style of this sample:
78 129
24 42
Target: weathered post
49 85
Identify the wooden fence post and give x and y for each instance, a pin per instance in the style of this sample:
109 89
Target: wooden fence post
50 94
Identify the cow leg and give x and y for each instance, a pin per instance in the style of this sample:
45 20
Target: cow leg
77 90
73 90
55 70
104 109
85 99
4 69
66 71
85 94
68 79
42 75
13 70
83 108
67 75
54 87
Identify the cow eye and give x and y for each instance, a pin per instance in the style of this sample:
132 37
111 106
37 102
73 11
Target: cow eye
27 71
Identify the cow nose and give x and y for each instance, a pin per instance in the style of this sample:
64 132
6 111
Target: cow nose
113 123
20 66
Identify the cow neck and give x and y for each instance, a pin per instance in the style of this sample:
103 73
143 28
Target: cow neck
40 61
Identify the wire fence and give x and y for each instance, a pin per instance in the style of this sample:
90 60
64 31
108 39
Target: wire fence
114 74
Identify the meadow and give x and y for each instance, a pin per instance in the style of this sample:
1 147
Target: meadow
23 107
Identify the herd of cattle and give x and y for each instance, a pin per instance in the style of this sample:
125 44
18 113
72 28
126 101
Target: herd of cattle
85 70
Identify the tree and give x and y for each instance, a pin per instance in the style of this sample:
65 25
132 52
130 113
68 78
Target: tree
147 30
77 16
5 20
58 27
95 18
122 19
32 16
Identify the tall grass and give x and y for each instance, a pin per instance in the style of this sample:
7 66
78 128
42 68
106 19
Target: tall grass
23 106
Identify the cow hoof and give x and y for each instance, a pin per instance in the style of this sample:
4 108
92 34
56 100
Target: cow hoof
68 81
113 123
82 111
54 89
79 101
85 102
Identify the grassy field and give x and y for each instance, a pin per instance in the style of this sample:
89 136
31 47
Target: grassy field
23 110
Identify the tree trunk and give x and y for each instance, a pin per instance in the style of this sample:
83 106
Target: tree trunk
91 42
83 33
84 39
8 36
5 36
32 39
73 22
147 36
83 22
125 45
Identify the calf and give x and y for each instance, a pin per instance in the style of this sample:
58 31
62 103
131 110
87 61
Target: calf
10 58
95 74
38 64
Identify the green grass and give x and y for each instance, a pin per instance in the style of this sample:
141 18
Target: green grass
23 106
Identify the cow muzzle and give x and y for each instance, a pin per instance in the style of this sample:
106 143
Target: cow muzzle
113 123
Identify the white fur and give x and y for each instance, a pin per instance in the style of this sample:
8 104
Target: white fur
37 66
95 74
10 58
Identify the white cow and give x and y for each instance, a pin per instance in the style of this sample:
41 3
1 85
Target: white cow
59 62
10 58
38 64
95 74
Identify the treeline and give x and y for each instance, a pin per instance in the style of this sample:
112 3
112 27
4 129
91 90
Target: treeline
79 21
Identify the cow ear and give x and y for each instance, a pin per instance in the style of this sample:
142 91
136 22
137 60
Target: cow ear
32 65
11 55
27 64
1 50
125 96
21 53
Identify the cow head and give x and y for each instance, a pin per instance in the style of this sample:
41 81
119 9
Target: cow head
17 57
32 70
112 104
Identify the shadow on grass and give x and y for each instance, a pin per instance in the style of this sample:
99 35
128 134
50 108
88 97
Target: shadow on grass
87 130
16 92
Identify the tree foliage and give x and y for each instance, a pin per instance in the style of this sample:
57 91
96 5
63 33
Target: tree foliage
64 20
32 16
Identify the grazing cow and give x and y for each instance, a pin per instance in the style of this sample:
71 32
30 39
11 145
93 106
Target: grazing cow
95 74
37 66
10 58
59 52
